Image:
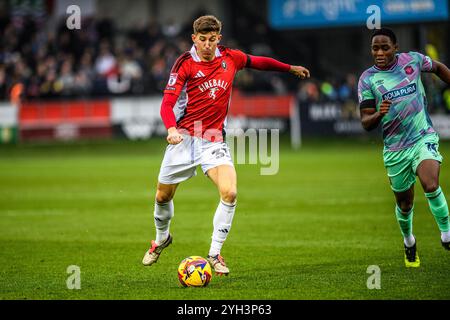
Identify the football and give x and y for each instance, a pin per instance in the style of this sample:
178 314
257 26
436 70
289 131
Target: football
194 271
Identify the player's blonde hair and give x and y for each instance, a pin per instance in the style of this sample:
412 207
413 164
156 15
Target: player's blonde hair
205 24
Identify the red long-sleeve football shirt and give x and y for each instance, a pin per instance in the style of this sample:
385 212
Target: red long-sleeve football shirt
198 93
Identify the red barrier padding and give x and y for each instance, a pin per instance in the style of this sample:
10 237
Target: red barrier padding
260 106
42 114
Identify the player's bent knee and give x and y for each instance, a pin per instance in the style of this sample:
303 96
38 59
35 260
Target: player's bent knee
430 187
163 197
229 196
406 206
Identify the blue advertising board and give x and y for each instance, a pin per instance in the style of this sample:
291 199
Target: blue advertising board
284 14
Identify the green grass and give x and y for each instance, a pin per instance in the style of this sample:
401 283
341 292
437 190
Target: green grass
309 232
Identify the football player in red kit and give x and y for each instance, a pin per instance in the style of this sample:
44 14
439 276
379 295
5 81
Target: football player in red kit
194 110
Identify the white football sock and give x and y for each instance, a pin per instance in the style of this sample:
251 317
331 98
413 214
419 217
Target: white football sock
162 214
409 241
222 225
445 236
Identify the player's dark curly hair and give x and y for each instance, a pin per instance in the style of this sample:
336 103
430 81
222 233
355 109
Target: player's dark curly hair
385 32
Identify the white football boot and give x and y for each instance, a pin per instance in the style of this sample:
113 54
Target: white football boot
152 255
218 264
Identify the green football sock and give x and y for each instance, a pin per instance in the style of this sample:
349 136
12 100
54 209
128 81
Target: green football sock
405 221
439 209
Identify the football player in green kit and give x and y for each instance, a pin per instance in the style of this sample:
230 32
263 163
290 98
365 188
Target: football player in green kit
391 93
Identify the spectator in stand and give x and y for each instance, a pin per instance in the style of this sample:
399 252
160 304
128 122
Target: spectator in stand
105 64
346 94
85 74
328 90
308 92
348 89
67 77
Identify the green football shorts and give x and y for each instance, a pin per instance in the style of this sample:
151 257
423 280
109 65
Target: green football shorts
401 165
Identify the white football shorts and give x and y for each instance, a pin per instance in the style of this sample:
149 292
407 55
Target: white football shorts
181 160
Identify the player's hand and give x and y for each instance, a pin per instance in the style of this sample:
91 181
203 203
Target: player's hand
173 136
300 72
384 107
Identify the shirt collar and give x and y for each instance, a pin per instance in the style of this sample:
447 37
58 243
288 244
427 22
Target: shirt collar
391 68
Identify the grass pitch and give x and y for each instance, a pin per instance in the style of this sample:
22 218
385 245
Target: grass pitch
308 232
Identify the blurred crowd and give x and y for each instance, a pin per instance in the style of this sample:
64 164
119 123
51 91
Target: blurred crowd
38 61
98 60
92 61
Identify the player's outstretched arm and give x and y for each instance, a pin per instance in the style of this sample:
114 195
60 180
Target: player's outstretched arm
370 117
442 71
270 64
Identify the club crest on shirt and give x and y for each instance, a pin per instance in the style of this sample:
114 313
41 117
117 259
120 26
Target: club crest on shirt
224 65
408 70
212 92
